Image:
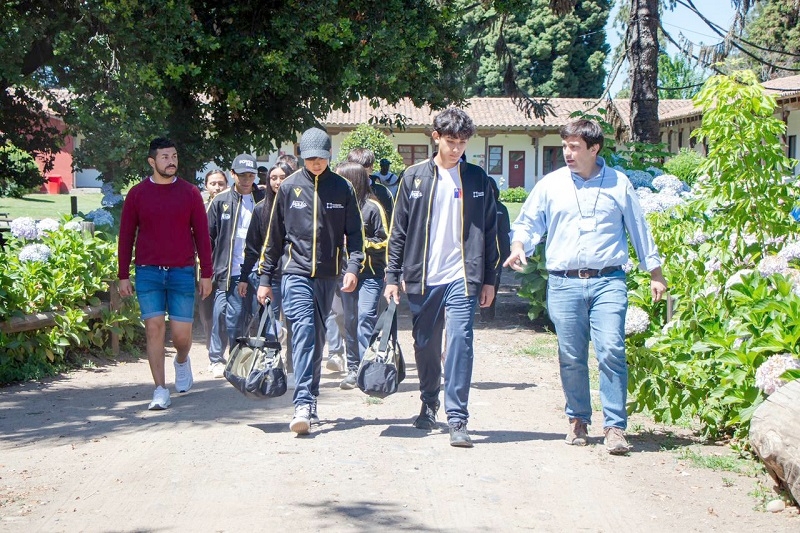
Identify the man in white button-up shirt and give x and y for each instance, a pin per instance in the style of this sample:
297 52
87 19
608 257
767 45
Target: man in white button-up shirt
587 210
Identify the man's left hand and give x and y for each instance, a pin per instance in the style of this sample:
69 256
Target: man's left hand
487 296
658 285
204 288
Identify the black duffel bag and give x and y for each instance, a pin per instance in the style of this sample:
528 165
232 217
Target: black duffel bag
383 367
255 367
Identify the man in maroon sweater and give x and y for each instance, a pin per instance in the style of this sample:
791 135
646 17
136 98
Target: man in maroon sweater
164 216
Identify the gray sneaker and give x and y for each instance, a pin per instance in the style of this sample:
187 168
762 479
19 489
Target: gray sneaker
335 362
578 434
350 382
459 436
615 441
301 422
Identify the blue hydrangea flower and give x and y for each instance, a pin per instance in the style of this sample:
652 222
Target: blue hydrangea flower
107 188
100 217
655 171
111 199
45 226
640 178
24 228
669 184
35 252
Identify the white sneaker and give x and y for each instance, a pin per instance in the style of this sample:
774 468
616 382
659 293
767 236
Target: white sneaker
301 422
335 363
160 399
183 375
217 370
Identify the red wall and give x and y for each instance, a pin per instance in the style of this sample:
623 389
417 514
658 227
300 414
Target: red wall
62 164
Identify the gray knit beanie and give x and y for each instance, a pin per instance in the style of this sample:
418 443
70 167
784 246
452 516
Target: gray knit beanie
315 143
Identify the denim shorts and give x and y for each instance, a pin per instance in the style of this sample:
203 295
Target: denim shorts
166 290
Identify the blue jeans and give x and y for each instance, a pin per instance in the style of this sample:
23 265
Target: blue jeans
360 317
231 316
596 307
166 290
306 303
335 323
428 323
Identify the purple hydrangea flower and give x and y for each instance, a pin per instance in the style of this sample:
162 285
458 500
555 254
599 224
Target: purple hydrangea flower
768 375
24 228
772 264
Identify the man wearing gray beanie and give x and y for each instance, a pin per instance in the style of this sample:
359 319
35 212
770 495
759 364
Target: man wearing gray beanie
315 210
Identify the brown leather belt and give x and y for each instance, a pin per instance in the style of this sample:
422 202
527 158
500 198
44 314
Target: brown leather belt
585 273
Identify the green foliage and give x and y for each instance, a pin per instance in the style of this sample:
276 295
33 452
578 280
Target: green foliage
72 278
18 172
686 165
533 282
677 78
728 318
366 136
549 54
516 195
774 25
196 72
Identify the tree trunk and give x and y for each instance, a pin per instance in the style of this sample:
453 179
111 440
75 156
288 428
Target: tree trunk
642 44
775 436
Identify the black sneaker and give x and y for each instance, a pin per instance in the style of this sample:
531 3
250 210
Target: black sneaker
427 416
313 417
459 436
350 382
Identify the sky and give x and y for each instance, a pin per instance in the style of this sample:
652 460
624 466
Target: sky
681 20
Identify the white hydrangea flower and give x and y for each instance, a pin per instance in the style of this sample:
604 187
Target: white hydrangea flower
628 266
73 225
713 264
650 342
698 238
790 250
736 277
650 204
772 264
669 184
769 373
45 226
636 320
24 228
711 289
35 252
669 325
794 276
668 201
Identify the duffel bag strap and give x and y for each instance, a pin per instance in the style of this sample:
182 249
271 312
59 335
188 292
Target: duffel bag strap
387 319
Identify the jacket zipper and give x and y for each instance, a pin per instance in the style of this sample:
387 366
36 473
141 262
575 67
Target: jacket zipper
461 237
428 228
314 231
233 239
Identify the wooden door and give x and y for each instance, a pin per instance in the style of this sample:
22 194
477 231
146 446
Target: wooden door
516 169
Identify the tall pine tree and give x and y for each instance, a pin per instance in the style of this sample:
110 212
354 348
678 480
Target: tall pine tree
550 55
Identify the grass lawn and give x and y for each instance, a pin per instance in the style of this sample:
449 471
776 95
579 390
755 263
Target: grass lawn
40 206
513 210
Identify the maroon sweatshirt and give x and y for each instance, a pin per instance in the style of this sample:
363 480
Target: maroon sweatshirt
168 223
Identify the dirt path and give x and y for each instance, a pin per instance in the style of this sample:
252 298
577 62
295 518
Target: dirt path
82 453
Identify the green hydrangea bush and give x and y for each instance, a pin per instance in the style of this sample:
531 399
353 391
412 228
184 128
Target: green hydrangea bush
731 259
52 266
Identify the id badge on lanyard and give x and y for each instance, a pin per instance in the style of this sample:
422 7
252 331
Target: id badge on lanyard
588 224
